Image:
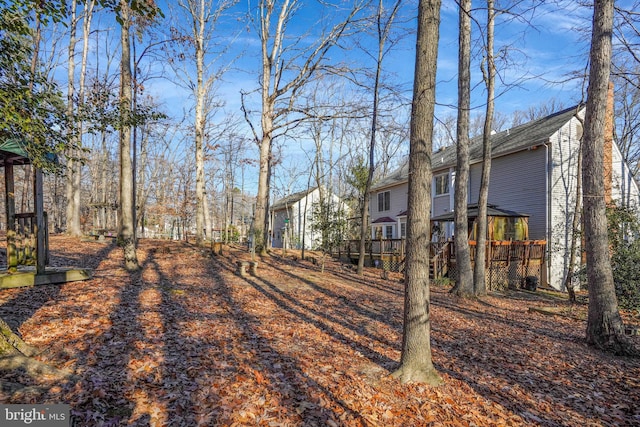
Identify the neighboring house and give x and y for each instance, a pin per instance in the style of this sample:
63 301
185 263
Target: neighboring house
533 171
292 218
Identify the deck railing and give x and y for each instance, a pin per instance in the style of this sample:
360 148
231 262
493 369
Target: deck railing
523 257
507 250
375 247
440 255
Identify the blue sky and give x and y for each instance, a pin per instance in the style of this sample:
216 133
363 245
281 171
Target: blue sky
542 52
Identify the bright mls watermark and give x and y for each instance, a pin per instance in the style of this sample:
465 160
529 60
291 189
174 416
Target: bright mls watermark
34 415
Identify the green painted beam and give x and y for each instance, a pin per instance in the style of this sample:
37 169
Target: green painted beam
51 276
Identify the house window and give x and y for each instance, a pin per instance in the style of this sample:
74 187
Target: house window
388 232
403 230
384 201
442 184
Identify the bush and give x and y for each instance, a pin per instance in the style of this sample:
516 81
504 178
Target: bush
625 262
625 258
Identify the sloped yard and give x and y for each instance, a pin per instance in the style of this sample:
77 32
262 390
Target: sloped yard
187 342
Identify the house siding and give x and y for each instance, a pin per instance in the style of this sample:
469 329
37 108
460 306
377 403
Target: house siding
624 187
564 178
441 204
398 204
518 183
298 229
278 224
539 180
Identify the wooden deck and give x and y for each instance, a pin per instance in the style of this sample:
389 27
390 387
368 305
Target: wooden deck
508 263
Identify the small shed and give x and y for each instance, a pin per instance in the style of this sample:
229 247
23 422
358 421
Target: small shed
27 233
502 224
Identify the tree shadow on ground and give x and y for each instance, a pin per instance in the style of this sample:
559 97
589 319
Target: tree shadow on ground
341 271
297 391
321 319
536 358
27 300
203 349
168 346
347 301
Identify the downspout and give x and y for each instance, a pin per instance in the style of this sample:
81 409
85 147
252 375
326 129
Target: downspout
547 178
452 186
300 226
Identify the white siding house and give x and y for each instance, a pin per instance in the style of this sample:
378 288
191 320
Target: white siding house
292 217
533 171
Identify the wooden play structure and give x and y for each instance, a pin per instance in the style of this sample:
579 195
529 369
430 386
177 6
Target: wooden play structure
27 252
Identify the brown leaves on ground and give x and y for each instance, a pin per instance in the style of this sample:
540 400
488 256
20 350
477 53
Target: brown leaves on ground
187 342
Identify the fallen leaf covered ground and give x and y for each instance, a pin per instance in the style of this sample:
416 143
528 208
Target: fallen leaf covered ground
187 342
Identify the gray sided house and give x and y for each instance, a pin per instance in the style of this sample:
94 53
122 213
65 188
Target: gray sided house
533 171
292 218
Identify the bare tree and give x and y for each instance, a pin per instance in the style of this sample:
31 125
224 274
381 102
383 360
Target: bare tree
488 73
124 11
203 15
231 153
144 110
464 280
604 325
329 132
444 131
152 144
100 111
575 228
626 77
286 67
384 22
160 198
628 112
126 229
73 167
416 363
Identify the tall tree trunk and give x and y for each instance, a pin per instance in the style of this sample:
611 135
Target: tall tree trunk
82 89
261 220
73 166
207 218
416 363
479 277
604 324
126 232
134 142
104 182
384 29
464 279
372 148
141 187
282 77
200 122
364 229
